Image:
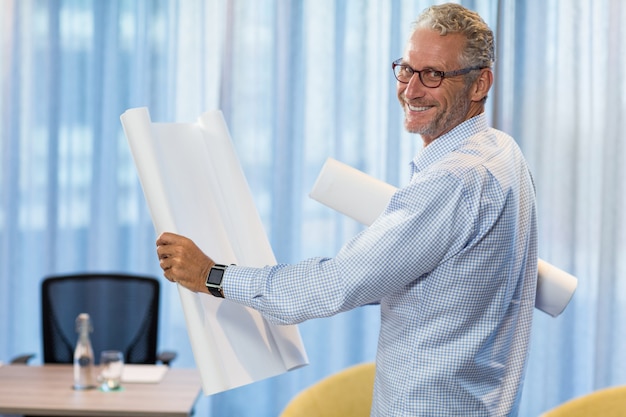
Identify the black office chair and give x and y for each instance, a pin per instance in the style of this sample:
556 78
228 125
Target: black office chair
124 312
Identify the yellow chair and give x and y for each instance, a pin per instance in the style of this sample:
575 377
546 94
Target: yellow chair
347 393
607 402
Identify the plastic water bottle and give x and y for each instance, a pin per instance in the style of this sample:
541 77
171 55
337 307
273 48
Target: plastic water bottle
83 355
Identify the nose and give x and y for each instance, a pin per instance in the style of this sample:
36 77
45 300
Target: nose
415 88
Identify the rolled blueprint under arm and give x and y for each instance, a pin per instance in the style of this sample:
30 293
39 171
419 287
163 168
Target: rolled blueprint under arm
363 198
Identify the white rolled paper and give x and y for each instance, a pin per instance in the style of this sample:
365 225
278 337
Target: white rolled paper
338 185
363 198
194 186
555 288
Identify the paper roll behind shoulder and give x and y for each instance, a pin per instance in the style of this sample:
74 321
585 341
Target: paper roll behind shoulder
363 198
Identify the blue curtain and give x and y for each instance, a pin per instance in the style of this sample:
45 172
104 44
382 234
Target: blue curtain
300 81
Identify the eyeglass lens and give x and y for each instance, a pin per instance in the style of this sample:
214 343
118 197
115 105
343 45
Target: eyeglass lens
430 78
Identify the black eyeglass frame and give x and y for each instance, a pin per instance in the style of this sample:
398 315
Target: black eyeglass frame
442 74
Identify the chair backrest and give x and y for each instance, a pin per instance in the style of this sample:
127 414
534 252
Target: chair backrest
124 311
607 402
347 393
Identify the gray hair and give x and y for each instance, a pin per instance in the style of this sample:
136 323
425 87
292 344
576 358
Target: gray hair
454 18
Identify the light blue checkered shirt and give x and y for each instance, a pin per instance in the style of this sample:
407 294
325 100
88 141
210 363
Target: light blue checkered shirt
453 262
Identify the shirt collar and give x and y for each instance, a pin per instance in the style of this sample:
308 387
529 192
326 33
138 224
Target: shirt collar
448 142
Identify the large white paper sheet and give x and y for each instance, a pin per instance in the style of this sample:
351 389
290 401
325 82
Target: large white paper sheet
363 198
194 186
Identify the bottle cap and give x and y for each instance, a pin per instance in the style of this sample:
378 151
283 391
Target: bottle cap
83 322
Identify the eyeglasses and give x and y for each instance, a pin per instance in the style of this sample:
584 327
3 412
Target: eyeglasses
429 77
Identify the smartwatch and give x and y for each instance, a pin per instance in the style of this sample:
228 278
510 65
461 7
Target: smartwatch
214 280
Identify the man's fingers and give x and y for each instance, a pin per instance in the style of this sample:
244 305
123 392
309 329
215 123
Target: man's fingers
165 238
168 238
165 252
178 258
168 276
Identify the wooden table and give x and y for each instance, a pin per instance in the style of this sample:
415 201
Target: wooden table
47 390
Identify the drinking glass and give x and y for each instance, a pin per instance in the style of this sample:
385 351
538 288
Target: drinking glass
111 366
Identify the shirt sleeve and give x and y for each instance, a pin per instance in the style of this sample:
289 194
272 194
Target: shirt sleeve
424 224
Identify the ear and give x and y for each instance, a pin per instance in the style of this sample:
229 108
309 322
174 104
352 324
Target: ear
481 86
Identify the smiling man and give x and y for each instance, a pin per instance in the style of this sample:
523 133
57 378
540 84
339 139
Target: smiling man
433 107
452 260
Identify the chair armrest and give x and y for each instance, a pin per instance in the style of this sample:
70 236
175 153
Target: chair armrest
166 357
22 359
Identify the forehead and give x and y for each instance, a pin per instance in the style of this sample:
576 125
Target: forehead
427 48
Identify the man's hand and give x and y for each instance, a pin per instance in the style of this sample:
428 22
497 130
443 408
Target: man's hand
183 262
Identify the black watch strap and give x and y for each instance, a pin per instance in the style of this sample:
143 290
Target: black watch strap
214 280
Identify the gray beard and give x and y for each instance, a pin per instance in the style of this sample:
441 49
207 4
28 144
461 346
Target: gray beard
443 122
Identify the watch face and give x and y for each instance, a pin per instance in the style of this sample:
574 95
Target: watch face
215 276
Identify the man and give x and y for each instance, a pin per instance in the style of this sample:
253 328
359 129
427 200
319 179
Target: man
452 260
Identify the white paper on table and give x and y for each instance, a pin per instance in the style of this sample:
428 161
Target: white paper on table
363 198
145 374
194 186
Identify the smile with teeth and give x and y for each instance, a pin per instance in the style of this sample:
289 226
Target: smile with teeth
417 108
